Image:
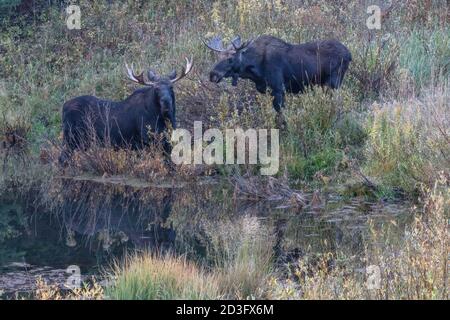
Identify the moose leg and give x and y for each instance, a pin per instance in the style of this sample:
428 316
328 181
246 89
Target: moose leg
261 86
278 103
333 82
167 151
280 121
71 142
277 85
278 100
65 156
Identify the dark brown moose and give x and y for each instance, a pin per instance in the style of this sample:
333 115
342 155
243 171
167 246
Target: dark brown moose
123 123
281 66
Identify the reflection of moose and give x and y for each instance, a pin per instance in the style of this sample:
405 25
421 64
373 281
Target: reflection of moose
119 218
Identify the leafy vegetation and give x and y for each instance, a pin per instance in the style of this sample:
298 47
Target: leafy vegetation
386 128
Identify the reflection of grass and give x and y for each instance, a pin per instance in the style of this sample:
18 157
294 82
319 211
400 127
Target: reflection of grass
414 267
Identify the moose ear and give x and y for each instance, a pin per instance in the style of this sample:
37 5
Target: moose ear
172 75
152 76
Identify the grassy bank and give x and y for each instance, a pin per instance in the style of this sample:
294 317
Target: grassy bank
44 64
385 131
395 263
412 266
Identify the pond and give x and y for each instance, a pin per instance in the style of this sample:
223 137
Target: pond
88 223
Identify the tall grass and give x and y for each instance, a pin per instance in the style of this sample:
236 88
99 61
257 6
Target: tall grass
242 256
238 267
43 69
412 267
149 277
409 141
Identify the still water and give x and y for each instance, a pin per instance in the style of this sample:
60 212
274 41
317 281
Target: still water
89 223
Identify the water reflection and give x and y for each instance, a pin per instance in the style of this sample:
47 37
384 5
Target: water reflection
109 216
88 223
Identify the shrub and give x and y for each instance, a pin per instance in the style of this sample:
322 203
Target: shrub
320 125
408 142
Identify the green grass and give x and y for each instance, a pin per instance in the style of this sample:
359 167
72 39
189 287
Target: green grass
426 55
149 277
324 161
390 118
408 144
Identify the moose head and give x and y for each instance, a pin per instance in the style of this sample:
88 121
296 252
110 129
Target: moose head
162 87
234 61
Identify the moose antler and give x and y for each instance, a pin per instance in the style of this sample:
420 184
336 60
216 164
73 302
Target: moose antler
236 43
137 78
153 78
215 44
242 46
185 70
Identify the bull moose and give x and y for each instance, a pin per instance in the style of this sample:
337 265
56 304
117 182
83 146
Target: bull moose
281 66
124 123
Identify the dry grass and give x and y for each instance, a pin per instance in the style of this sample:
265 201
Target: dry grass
149 277
266 189
415 267
409 142
45 291
241 254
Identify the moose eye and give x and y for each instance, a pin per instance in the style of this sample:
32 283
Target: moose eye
230 61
